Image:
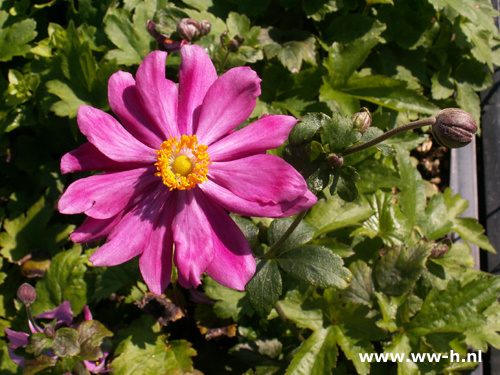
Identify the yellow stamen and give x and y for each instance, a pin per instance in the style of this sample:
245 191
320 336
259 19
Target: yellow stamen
182 163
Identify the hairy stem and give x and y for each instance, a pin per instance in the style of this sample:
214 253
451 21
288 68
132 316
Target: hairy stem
389 134
274 248
31 319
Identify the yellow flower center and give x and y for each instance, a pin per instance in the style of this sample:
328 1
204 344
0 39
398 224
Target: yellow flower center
182 163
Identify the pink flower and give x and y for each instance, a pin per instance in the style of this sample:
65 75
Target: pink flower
175 167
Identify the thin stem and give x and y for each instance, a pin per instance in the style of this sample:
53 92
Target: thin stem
272 251
287 322
224 61
389 134
31 319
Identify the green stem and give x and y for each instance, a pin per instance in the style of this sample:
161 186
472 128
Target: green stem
31 319
274 248
389 134
287 322
224 61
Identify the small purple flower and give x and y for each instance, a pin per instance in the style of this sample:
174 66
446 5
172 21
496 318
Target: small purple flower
64 316
174 167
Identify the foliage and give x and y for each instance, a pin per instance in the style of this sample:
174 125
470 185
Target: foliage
359 274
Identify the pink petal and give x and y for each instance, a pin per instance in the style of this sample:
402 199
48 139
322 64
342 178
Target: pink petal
241 206
157 94
105 195
192 237
95 229
87 157
87 315
259 178
229 102
233 264
18 360
267 133
62 313
156 260
196 74
131 236
107 134
17 339
126 104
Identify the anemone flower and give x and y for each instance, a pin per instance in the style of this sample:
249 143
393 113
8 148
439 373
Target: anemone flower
174 167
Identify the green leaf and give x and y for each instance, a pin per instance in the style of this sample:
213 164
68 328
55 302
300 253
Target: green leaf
331 214
458 256
34 366
31 230
14 39
389 93
63 282
304 314
435 223
455 309
240 25
361 288
482 336
315 264
133 40
91 335
338 248
230 303
468 100
264 288
249 229
343 61
401 345
317 9
316 356
401 267
339 133
302 234
69 103
442 85
108 280
353 348
144 350
346 186
65 342
387 222
305 129
38 344
291 47
412 197
469 229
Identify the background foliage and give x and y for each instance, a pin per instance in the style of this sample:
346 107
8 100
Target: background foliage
379 228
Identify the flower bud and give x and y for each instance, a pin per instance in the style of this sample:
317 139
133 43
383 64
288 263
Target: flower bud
362 120
49 331
441 248
454 128
233 45
188 29
26 294
335 161
205 27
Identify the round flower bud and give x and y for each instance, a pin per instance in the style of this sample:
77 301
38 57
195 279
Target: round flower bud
441 248
26 294
188 29
49 331
205 27
233 45
335 161
454 128
362 120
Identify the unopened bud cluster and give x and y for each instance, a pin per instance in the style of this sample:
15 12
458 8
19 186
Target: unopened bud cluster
454 128
232 45
191 30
